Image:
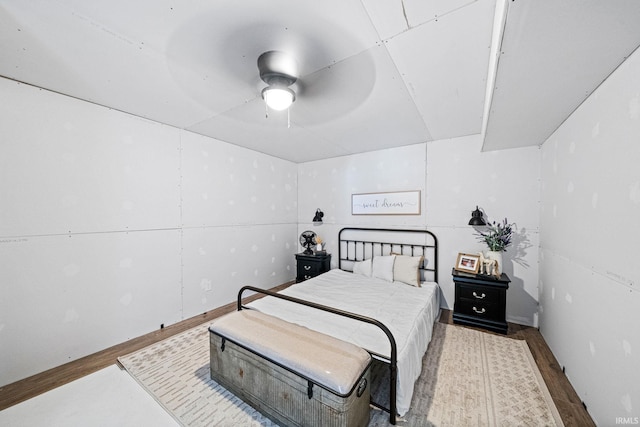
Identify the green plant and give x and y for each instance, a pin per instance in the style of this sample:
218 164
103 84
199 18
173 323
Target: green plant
498 235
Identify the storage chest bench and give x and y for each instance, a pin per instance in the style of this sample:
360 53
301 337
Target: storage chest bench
291 374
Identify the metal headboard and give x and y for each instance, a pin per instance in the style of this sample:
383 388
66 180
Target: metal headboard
358 244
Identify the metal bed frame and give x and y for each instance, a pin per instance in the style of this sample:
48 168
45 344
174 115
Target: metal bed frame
425 243
351 250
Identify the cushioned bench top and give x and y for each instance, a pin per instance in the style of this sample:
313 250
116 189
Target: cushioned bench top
335 364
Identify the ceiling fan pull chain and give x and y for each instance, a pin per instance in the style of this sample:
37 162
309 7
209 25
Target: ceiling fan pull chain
288 118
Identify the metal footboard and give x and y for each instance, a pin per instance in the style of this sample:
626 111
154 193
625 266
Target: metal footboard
392 361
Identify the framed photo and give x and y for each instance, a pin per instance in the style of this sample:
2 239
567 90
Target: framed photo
395 203
468 263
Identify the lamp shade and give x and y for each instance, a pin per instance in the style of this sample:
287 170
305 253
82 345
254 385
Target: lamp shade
318 217
278 98
476 218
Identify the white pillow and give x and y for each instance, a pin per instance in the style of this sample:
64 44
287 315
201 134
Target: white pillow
406 269
383 267
362 267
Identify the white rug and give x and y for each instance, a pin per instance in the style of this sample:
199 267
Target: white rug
469 378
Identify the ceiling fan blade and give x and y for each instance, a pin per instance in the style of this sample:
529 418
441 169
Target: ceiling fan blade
335 90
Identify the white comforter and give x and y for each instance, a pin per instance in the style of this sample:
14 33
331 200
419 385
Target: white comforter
407 311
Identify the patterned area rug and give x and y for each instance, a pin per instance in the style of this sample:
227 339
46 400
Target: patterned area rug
469 378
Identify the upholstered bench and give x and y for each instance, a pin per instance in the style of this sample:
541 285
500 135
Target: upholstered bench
291 374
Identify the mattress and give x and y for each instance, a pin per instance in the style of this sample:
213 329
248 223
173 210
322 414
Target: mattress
409 312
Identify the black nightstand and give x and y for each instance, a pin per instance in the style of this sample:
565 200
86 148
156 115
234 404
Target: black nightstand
311 265
481 300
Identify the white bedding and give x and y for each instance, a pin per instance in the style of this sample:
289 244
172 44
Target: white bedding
409 313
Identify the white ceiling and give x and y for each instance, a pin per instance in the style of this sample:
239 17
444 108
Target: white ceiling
374 73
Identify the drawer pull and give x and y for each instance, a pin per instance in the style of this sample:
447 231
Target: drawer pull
307 267
307 277
479 296
479 311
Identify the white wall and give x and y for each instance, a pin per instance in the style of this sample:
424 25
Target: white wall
453 176
504 184
329 184
589 231
111 225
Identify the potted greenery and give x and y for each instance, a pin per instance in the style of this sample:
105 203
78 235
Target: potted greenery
497 237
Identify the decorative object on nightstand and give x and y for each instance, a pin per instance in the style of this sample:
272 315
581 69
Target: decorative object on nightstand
498 238
308 241
309 266
489 266
480 300
468 263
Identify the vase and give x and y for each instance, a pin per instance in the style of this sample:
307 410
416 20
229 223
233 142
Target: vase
497 267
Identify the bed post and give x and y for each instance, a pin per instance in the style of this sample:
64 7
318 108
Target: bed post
392 390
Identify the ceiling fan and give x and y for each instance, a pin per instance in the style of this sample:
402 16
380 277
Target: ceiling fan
279 71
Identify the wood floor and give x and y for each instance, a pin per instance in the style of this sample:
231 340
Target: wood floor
568 403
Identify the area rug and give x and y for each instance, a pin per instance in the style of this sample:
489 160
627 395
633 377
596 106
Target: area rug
469 378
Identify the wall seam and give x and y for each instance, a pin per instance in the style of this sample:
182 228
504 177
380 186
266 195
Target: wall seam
180 203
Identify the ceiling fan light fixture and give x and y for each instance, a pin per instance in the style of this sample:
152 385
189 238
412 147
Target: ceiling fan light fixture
279 71
278 98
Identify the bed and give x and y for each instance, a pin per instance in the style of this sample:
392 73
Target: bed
360 302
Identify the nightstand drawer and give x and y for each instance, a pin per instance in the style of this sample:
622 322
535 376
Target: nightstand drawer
308 269
480 301
480 309
308 266
479 293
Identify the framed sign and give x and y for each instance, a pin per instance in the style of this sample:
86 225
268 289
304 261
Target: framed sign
396 203
468 263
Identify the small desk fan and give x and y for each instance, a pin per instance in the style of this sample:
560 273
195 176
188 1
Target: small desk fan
308 240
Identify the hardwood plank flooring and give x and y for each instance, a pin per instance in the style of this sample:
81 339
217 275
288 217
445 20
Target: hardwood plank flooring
564 396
